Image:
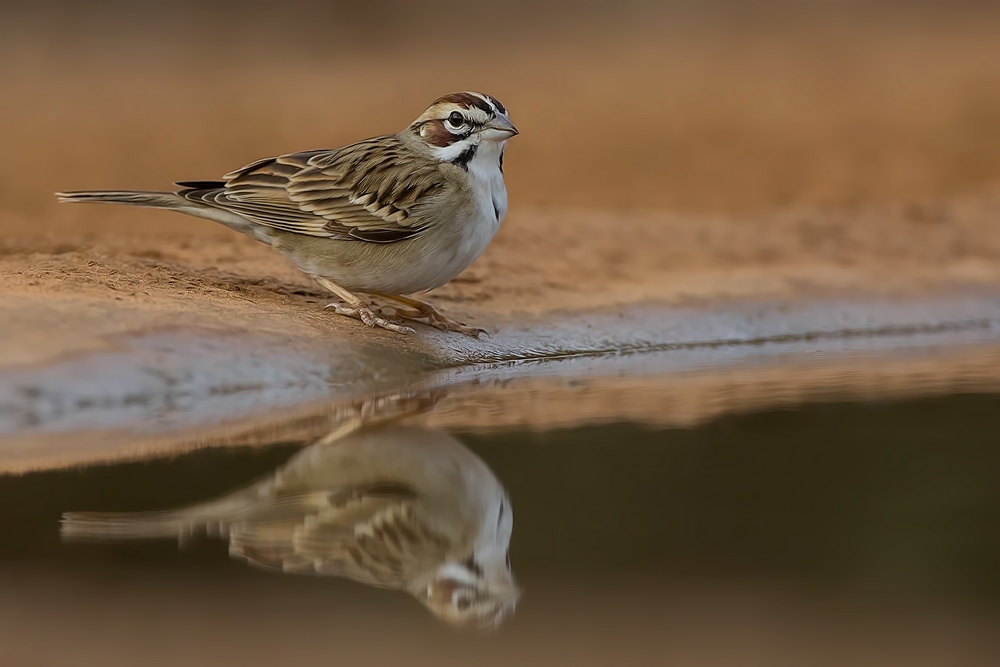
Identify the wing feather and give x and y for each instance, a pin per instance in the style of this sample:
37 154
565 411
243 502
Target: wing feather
374 535
370 191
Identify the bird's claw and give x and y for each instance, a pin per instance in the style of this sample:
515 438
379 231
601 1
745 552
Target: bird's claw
365 314
429 315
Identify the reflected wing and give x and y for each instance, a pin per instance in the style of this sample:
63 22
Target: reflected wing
368 191
374 535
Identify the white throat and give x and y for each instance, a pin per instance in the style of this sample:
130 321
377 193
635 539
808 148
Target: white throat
484 171
487 178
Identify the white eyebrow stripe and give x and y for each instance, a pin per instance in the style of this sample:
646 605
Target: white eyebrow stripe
498 108
490 101
477 115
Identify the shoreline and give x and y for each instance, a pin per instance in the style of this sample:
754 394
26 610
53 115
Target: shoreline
154 390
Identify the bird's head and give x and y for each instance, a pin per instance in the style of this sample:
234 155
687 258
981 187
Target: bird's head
471 595
454 126
480 590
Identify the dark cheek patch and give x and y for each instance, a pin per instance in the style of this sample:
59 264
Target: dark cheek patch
436 134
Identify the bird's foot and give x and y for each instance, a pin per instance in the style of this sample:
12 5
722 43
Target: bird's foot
364 313
421 311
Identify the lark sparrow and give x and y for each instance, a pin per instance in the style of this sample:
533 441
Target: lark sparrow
392 506
389 216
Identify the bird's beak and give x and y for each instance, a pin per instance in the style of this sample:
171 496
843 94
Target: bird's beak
499 129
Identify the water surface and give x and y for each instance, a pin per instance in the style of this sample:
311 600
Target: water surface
846 532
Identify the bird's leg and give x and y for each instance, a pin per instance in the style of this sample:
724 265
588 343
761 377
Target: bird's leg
357 308
421 310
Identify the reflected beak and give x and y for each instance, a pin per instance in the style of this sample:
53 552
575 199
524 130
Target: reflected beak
499 129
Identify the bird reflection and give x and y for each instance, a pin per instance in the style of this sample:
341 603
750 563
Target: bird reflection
392 506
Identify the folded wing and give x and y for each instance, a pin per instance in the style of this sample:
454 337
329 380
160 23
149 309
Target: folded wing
369 191
375 535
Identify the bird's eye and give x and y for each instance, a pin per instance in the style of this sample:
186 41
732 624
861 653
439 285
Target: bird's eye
456 118
464 603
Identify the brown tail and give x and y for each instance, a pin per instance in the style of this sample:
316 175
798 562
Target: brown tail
174 201
129 197
109 526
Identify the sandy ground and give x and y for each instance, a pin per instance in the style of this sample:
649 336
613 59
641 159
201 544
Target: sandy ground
541 263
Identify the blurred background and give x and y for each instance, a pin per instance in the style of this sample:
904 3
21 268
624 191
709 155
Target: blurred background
721 106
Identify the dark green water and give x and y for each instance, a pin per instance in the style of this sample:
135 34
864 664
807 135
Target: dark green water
896 495
884 502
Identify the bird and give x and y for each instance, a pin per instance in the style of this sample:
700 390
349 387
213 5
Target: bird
392 506
389 216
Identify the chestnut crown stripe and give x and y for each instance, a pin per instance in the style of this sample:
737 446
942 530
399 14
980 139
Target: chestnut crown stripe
467 100
481 101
